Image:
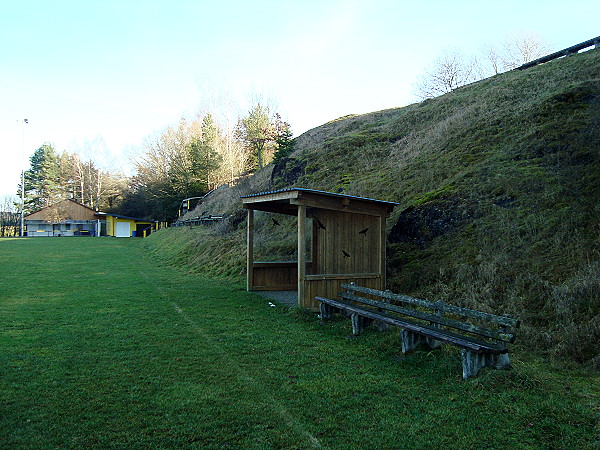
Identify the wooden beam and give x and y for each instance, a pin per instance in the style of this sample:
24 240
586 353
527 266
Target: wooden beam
270 197
250 251
285 202
274 264
337 204
382 251
315 248
275 207
342 276
301 253
276 287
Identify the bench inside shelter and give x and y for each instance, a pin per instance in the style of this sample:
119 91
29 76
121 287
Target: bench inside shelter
483 337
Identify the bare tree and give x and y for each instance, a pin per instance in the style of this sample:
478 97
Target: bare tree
449 71
79 173
94 179
523 48
234 156
493 56
114 189
515 51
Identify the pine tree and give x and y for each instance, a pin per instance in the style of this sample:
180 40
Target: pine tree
204 157
42 180
283 139
257 133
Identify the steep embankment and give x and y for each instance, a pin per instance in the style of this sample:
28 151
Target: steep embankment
499 187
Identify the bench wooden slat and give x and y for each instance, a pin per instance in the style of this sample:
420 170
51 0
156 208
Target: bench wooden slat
507 337
500 320
458 340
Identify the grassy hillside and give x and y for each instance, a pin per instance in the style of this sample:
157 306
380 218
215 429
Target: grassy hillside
499 191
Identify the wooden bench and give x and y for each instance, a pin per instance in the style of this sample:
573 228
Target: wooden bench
483 337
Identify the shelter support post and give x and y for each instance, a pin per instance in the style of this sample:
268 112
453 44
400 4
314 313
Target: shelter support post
382 250
250 251
301 253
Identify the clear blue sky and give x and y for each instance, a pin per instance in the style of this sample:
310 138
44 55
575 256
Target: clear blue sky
99 76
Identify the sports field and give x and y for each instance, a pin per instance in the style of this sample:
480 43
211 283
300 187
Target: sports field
101 346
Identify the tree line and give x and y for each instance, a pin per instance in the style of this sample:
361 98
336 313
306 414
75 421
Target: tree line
10 219
184 160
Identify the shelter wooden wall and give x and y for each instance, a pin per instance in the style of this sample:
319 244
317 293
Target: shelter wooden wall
347 247
345 243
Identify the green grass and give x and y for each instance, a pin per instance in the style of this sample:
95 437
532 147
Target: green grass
102 346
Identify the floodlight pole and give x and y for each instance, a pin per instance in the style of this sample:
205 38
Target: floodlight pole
22 203
22 234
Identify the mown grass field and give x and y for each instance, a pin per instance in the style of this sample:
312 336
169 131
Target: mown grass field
101 346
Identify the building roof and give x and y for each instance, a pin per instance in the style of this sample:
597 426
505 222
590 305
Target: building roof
286 201
67 209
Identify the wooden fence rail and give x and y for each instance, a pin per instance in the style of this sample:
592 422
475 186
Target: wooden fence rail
566 52
205 220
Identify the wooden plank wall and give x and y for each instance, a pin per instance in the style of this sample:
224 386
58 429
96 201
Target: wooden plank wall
347 243
273 276
276 276
346 248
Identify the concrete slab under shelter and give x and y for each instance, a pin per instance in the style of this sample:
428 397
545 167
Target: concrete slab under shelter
285 298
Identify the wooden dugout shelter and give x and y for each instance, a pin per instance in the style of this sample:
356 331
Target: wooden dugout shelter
348 243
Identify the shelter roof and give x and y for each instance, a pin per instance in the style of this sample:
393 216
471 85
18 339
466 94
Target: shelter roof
286 201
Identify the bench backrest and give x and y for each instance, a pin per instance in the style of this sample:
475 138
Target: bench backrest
406 305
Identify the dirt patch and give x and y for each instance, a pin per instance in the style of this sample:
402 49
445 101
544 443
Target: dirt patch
421 224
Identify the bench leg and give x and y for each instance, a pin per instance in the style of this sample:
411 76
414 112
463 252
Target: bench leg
359 323
433 344
502 361
381 325
473 362
326 311
410 340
